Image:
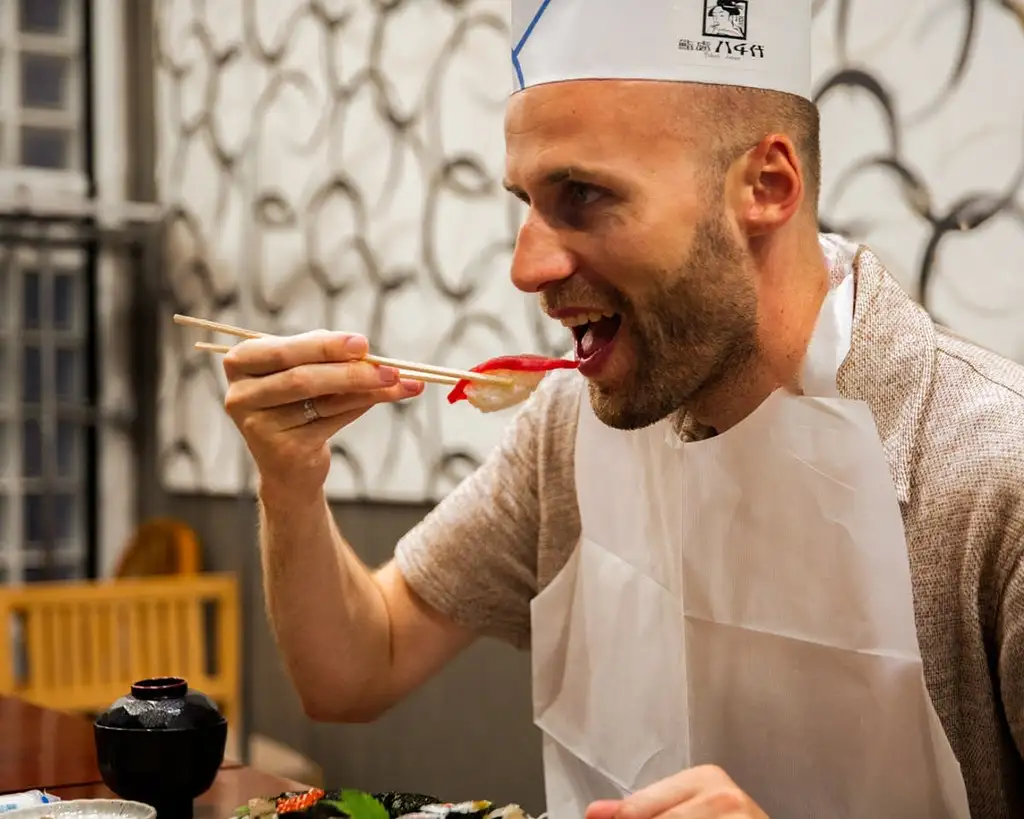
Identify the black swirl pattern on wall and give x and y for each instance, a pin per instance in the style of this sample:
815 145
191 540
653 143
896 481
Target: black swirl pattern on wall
337 163
966 209
972 209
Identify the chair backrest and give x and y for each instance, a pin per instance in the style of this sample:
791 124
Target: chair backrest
160 546
82 644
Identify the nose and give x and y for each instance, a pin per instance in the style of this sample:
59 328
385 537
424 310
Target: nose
539 258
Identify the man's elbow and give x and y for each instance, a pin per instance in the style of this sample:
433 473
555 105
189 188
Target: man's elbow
342 710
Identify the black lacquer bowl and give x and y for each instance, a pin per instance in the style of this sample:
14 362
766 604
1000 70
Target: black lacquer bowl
162 744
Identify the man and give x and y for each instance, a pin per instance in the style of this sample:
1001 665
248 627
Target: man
765 546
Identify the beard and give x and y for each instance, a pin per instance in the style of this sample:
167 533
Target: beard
689 335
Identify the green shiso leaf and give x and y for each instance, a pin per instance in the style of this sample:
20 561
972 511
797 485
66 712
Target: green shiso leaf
359 805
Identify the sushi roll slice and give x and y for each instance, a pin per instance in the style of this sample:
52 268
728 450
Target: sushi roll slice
298 802
449 810
404 804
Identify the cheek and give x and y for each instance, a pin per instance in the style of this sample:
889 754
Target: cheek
635 262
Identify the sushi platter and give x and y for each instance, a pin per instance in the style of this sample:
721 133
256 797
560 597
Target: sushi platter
316 803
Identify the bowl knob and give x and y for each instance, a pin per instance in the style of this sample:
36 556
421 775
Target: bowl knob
160 688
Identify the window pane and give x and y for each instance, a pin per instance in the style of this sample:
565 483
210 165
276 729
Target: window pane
31 449
33 520
6 288
41 16
51 520
44 148
65 518
7 388
31 300
69 375
69 441
58 571
43 80
5 451
65 301
31 375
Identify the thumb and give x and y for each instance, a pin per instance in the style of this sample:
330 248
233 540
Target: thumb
603 809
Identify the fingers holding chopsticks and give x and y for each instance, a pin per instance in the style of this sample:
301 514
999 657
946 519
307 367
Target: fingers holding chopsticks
308 413
274 354
289 395
312 381
274 373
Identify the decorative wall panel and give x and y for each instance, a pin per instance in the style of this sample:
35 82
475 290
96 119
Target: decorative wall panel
338 164
922 104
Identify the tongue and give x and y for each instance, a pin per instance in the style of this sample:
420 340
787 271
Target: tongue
597 335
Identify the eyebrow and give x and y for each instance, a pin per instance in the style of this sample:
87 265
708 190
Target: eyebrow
559 175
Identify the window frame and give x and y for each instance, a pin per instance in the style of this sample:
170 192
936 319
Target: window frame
94 189
71 44
22 257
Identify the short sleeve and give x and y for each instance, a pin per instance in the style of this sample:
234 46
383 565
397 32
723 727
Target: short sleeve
1010 641
474 557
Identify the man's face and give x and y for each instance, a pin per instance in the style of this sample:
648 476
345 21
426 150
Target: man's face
627 241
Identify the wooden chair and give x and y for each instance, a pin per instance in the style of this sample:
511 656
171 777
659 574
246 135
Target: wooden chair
82 644
161 546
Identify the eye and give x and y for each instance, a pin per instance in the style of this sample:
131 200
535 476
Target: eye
580 194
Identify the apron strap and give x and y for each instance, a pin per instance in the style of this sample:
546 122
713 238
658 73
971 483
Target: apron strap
830 343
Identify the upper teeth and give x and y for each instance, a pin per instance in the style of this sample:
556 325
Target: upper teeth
585 318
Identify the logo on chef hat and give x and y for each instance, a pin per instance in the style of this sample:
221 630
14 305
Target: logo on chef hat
725 18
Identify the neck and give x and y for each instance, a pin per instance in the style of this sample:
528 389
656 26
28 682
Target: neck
792 288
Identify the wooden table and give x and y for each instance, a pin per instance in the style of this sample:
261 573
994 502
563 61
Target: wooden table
43 749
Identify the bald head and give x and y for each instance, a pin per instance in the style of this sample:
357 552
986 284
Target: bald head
729 121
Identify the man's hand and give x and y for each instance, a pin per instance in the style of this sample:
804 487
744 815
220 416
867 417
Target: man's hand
270 378
706 792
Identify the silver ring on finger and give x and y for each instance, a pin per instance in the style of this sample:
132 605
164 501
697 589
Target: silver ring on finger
309 411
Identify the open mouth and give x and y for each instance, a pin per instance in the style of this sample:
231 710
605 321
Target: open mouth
593 332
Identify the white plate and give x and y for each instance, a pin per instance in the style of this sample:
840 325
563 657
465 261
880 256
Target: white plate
86 809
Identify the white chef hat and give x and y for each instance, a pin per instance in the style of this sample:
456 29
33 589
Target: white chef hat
753 43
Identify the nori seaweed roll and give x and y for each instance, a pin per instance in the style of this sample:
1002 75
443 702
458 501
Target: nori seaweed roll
401 804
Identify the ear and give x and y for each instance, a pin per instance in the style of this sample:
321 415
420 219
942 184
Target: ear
770 187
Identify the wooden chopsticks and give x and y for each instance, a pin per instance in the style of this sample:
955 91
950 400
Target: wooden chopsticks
411 370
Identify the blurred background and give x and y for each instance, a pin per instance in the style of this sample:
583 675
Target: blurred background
285 165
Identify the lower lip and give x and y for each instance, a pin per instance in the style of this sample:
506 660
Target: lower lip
591 367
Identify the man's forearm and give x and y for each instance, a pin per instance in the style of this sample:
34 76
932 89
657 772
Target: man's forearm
328 616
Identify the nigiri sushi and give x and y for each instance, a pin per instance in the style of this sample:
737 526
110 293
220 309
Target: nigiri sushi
525 371
478 809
